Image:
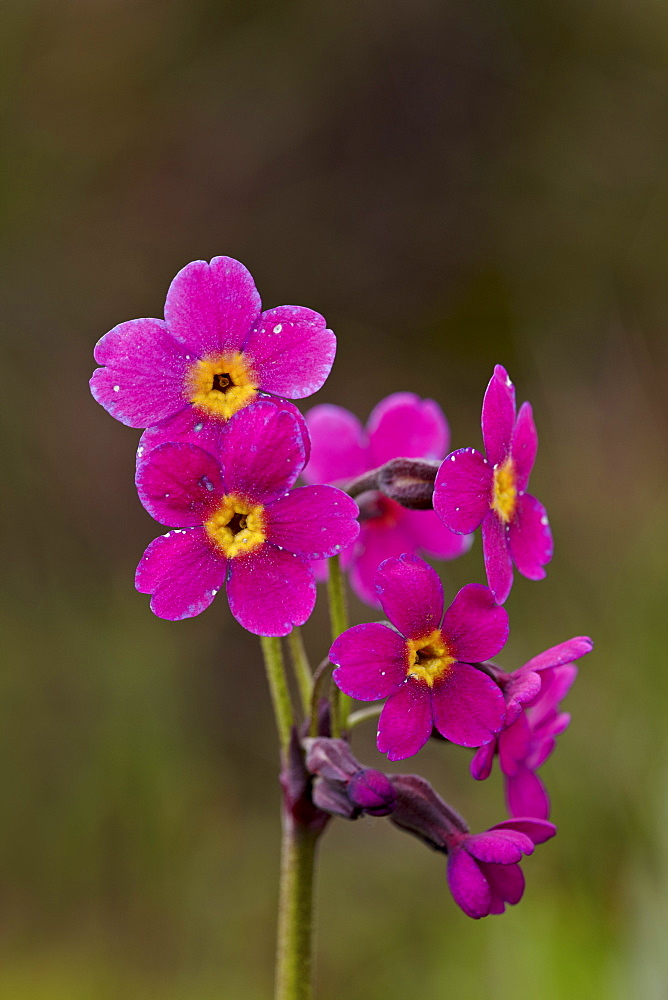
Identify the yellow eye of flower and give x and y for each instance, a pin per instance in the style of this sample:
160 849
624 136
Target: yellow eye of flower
221 385
428 658
236 527
504 499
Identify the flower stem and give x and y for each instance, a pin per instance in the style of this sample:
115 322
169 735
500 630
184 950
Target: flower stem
362 714
278 687
338 617
295 912
302 668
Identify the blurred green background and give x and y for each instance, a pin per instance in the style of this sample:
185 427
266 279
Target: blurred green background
452 185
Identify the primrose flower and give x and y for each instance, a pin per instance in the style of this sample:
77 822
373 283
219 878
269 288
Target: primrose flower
402 425
239 524
214 354
423 665
483 868
472 490
533 722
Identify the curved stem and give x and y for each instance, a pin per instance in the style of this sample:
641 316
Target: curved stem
278 687
301 667
295 912
338 617
362 714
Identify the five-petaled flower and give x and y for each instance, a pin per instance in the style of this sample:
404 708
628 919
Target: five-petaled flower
533 722
239 524
423 665
214 354
402 425
471 490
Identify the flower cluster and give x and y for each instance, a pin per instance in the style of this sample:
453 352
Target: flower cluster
218 462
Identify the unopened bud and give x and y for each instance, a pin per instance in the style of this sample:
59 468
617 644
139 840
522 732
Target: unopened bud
372 791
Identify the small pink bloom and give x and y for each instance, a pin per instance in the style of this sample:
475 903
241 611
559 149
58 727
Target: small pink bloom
239 525
214 354
402 425
533 722
423 665
473 490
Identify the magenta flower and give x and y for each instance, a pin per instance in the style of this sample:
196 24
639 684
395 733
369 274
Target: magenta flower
471 490
238 524
402 425
214 354
483 868
423 667
533 722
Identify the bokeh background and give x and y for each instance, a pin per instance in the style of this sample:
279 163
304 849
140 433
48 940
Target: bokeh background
452 185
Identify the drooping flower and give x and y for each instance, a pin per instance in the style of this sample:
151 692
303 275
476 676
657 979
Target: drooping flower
483 868
402 425
473 490
533 722
239 525
214 354
423 665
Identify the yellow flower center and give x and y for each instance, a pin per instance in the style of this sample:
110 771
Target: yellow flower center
236 527
221 385
504 499
428 658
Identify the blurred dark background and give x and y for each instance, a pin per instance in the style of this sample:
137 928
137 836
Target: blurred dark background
452 185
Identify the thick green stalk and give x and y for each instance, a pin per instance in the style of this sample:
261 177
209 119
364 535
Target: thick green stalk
295 912
301 668
338 617
278 688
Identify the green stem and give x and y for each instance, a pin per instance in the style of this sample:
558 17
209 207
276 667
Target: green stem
362 714
301 668
295 912
338 617
278 687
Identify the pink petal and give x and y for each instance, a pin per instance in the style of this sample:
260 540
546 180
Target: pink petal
530 538
539 830
378 540
211 307
270 590
498 564
524 446
557 682
506 883
144 380
565 652
403 425
499 847
291 351
314 521
405 723
469 887
498 416
179 484
263 452
338 445
526 795
428 533
468 706
371 661
514 745
522 688
411 595
463 490
182 572
474 628
482 761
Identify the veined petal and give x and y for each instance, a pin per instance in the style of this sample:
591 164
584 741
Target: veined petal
263 452
469 887
338 445
270 590
498 416
144 378
371 661
211 307
403 425
182 572
291 351
468 706
411 595
474 627
405 723
314 521
463 490
179 484
429 534
498 564
530 538
524 446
